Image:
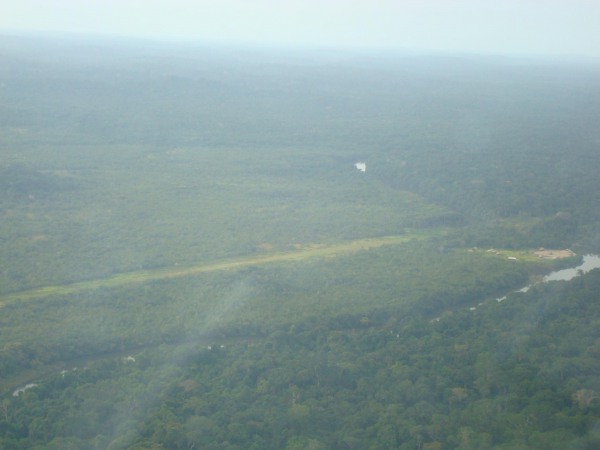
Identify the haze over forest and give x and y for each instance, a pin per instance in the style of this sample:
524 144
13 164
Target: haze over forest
512 27
192 256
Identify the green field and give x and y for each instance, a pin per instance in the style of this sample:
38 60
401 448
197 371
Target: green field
299 254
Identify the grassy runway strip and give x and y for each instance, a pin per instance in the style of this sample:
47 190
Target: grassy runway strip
305 252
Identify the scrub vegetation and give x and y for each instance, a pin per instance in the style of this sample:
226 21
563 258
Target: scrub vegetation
189 257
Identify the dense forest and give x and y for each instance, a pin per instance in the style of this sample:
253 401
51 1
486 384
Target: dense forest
190 259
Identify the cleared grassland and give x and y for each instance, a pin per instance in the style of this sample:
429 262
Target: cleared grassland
299 254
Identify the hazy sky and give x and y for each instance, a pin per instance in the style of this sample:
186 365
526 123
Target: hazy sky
497 26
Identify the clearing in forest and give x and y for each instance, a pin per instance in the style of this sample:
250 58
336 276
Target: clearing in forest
300 254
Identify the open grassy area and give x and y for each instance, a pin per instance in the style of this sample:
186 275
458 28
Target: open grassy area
304 252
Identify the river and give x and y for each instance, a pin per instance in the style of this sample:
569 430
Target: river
590 262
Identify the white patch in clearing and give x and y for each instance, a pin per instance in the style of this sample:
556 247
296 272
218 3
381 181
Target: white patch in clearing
362 166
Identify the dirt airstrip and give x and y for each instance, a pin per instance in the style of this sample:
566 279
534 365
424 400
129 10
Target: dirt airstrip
553 254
